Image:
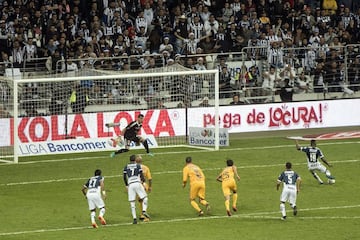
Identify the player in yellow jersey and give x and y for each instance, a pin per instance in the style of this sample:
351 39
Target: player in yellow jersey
228 183
197 185
147 184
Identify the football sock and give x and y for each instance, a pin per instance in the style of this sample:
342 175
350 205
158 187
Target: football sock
146 145
195 205
102 212
227 205
328 174
133 210
235 196
144 204
282 209
122 151
92 216
203 202
316 177
141 205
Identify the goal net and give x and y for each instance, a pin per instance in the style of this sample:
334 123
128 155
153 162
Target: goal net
68 112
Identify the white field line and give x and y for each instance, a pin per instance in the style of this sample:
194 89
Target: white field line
175 152
159 173
258 215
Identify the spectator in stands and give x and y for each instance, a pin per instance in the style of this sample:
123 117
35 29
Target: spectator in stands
166 46
160 104
236 100
270 82
287 91
186 103
78 99
302 83
354 74
200 64
30 49
227 12
3 112
181 33
55 63
333 77
205 102
319 77
225 83
276 55
71 65
17 54
252 82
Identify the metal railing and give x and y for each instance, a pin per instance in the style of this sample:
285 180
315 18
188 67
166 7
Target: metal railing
238 65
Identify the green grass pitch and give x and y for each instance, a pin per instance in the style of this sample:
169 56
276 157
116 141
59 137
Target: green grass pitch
41 198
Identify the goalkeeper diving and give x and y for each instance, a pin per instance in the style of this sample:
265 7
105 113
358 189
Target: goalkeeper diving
130 133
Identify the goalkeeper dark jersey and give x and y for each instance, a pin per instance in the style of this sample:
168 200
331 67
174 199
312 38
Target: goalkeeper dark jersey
131 131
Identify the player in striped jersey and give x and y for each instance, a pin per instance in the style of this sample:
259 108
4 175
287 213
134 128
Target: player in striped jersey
313 153
134 178
291 187
228 183
94 192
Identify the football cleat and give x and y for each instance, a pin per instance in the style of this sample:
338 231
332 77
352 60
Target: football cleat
208 207
142 217
201 213
102 220
146 220
94 225
134 221
150 154
146 215
228 213
234 209
283 218
295 211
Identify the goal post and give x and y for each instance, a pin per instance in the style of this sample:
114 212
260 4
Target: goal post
59 113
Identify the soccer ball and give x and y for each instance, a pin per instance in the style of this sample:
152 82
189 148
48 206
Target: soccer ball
331 181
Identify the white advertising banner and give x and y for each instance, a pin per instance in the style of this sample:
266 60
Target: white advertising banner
206 136
280 116
171 122
76 145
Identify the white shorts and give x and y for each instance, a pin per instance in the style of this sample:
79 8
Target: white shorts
316 166
288 194
134 189
95 200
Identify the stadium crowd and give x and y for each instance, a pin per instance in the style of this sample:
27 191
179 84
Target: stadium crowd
164 30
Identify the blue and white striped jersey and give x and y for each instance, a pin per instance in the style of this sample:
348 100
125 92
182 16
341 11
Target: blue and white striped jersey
132 172
94 182
312 153
288 177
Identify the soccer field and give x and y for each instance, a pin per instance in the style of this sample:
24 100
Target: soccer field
41 198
